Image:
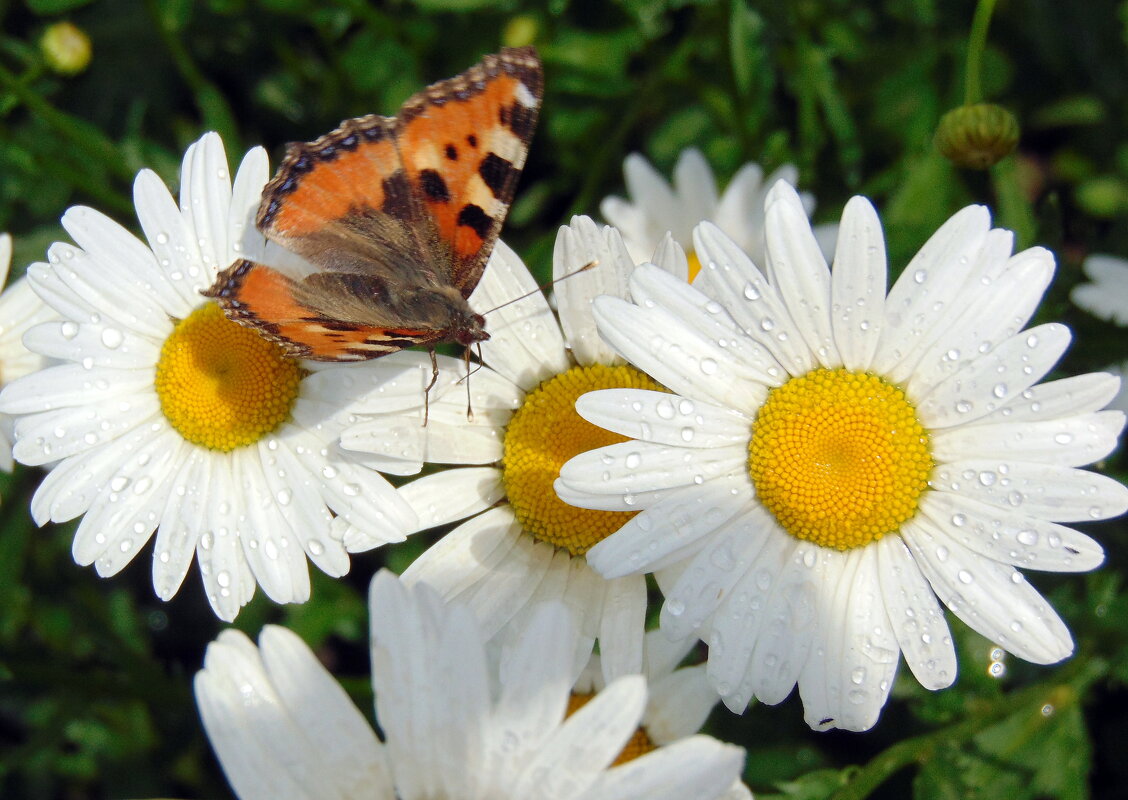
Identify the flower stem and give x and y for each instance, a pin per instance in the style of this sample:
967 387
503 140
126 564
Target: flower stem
976 44
1032 700
80 133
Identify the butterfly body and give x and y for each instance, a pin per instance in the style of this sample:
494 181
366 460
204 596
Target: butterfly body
397 214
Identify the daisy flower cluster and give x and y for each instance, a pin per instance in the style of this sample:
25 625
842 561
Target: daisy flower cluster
809 462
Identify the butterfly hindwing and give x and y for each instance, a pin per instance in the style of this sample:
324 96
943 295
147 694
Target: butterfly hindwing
285 311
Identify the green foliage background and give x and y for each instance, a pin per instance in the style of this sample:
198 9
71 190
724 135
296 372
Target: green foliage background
95 694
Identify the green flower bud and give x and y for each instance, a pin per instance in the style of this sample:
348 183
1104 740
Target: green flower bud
66 48
520 31
977 136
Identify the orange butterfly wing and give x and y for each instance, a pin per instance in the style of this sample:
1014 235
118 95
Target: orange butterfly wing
399 213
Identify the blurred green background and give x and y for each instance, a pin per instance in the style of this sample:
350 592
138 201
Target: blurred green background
95 695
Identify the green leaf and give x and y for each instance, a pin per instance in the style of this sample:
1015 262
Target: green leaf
1029 756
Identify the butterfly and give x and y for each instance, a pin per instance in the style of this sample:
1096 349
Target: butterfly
398 215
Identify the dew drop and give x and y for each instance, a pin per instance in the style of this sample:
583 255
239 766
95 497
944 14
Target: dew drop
112 338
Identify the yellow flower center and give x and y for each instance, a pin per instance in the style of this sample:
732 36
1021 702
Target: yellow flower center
839 457
221 385
638 745
694 265
545 432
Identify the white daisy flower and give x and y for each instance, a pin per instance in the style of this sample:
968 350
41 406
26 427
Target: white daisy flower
655 207
163 416
833 458
1106 294
20 309
282 727
1106 297
526 546
680 699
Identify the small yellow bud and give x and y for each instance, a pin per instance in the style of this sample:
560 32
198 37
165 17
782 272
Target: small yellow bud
66 47
977 136
520 31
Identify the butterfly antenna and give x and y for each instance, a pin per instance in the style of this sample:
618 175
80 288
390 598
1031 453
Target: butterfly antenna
590 265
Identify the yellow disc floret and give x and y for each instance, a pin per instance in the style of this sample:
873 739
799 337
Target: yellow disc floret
694 265
223 386
545 432
839 457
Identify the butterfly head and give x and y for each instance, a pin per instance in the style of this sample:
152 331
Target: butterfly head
469 329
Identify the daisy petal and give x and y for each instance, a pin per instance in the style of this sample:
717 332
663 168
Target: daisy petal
698 767
1001 375
1047 491
453 495
244 239
858 284
653 286
796 267
205 199
181 522
930 283
173 243
917 619
712 575
1068 441
621 632
97 345
631 467
525 343
1079 394
1011 538
674 355
861 650
992 598
756 305
993 315
577 245
687 516
274 555
346 745
664 210
670 257
587 742
663 418
234 696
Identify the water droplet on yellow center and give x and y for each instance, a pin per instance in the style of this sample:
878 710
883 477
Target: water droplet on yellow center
545 432
221 385
839 457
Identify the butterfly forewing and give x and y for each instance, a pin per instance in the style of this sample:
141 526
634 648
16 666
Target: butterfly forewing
398 214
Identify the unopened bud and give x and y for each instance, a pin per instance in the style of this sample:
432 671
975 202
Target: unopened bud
977 136
520 31
66 48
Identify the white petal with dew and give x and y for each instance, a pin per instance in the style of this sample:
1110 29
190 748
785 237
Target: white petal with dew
729 275
1068 442
796 267
525 343
995 378
992 598
1011 537
579 244
1047 491
915 614
858 281
664 418
453 494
